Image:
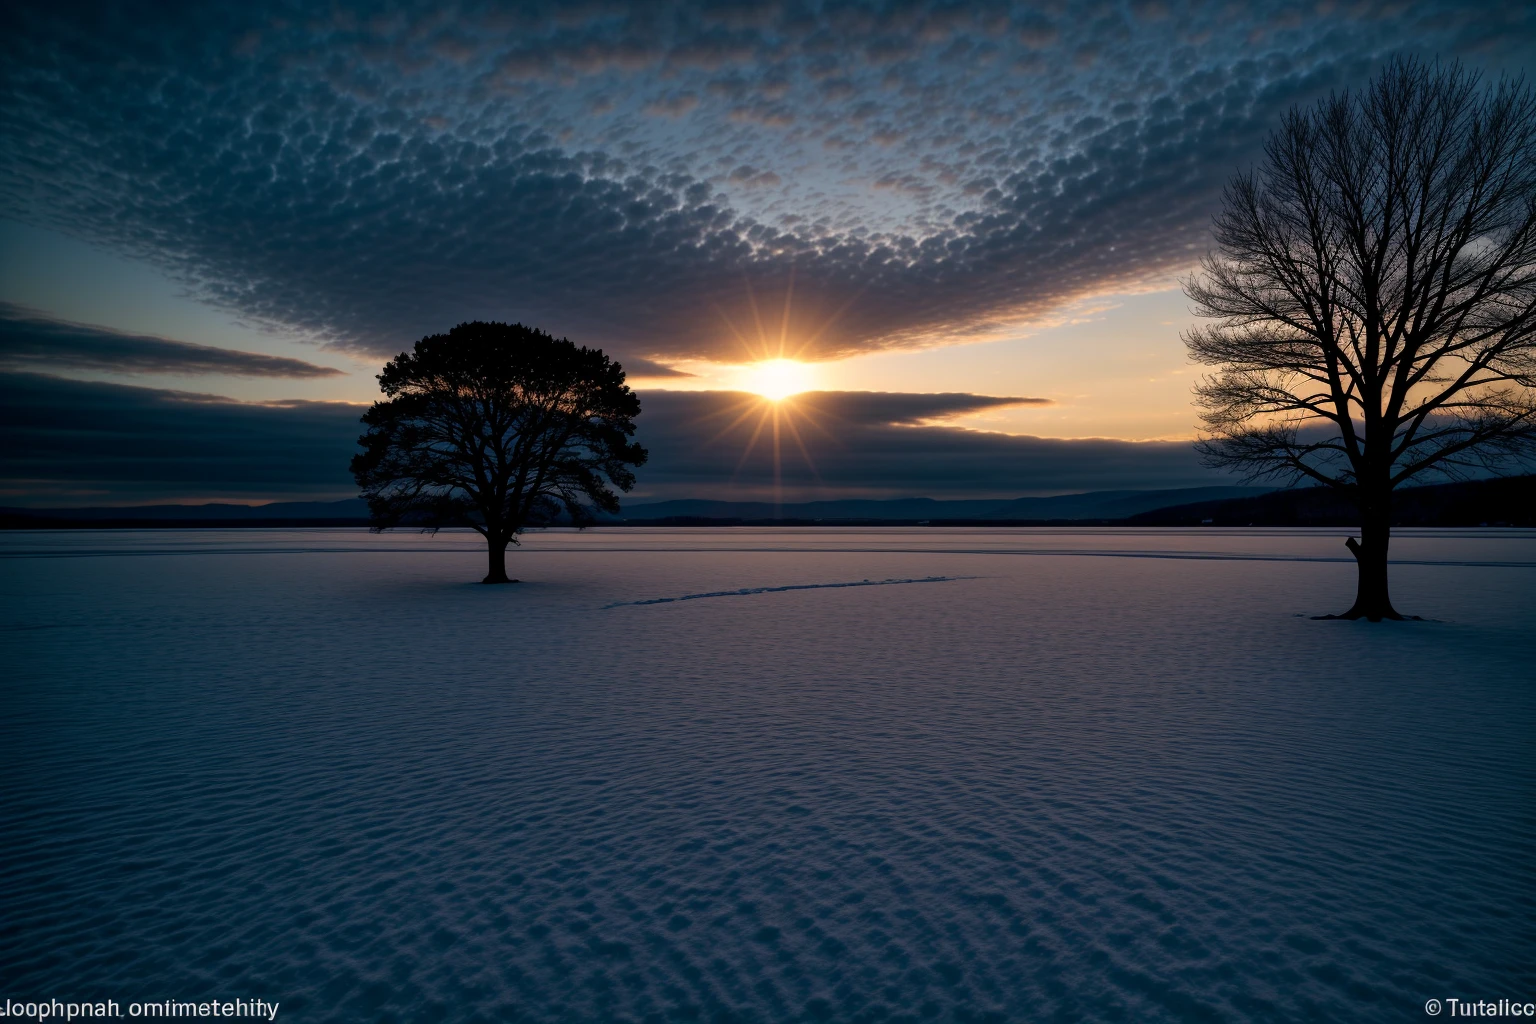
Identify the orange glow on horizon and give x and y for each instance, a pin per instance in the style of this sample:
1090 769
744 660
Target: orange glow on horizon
778 379
773 374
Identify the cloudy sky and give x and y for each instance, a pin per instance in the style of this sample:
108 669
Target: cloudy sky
969 219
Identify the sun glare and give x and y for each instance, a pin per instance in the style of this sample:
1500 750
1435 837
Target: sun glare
777 379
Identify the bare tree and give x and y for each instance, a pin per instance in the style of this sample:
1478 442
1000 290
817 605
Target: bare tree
1374 297
498 428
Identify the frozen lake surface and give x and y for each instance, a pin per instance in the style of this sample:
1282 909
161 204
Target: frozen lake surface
1055 775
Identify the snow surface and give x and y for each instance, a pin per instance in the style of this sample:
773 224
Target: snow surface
1021 775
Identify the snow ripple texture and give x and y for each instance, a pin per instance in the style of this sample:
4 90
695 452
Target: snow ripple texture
1110 775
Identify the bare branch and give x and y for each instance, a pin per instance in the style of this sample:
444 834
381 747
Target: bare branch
1373 287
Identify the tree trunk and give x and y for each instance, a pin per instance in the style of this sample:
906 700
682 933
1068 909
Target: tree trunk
1372 601
497 549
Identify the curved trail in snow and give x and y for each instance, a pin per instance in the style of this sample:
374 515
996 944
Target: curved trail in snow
797 586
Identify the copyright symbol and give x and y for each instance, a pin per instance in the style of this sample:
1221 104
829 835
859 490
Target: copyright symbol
1432 1007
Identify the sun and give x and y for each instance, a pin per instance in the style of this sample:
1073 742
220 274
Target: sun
777 379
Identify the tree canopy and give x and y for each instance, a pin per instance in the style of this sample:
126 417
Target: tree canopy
500 428
1373 292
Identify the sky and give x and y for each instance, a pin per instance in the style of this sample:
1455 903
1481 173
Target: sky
966 223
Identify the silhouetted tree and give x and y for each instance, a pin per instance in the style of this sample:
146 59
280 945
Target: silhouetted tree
499 428
1373 288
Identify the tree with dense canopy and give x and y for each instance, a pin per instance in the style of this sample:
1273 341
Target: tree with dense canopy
1374 297
500 428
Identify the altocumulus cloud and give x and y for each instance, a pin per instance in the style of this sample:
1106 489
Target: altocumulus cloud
29 340
68 442
656 178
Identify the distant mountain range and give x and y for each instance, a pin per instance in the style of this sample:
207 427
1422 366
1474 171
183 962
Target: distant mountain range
347 512
1510 501
352 511
1090 505
1507 501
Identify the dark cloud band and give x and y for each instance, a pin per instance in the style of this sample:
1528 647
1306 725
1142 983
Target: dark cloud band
66 442
37 342
635 366
869 444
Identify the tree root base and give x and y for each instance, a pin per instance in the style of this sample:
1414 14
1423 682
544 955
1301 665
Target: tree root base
490 581
1355 616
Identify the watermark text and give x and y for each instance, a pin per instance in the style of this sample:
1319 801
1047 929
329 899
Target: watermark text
1480 1008
54 1009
